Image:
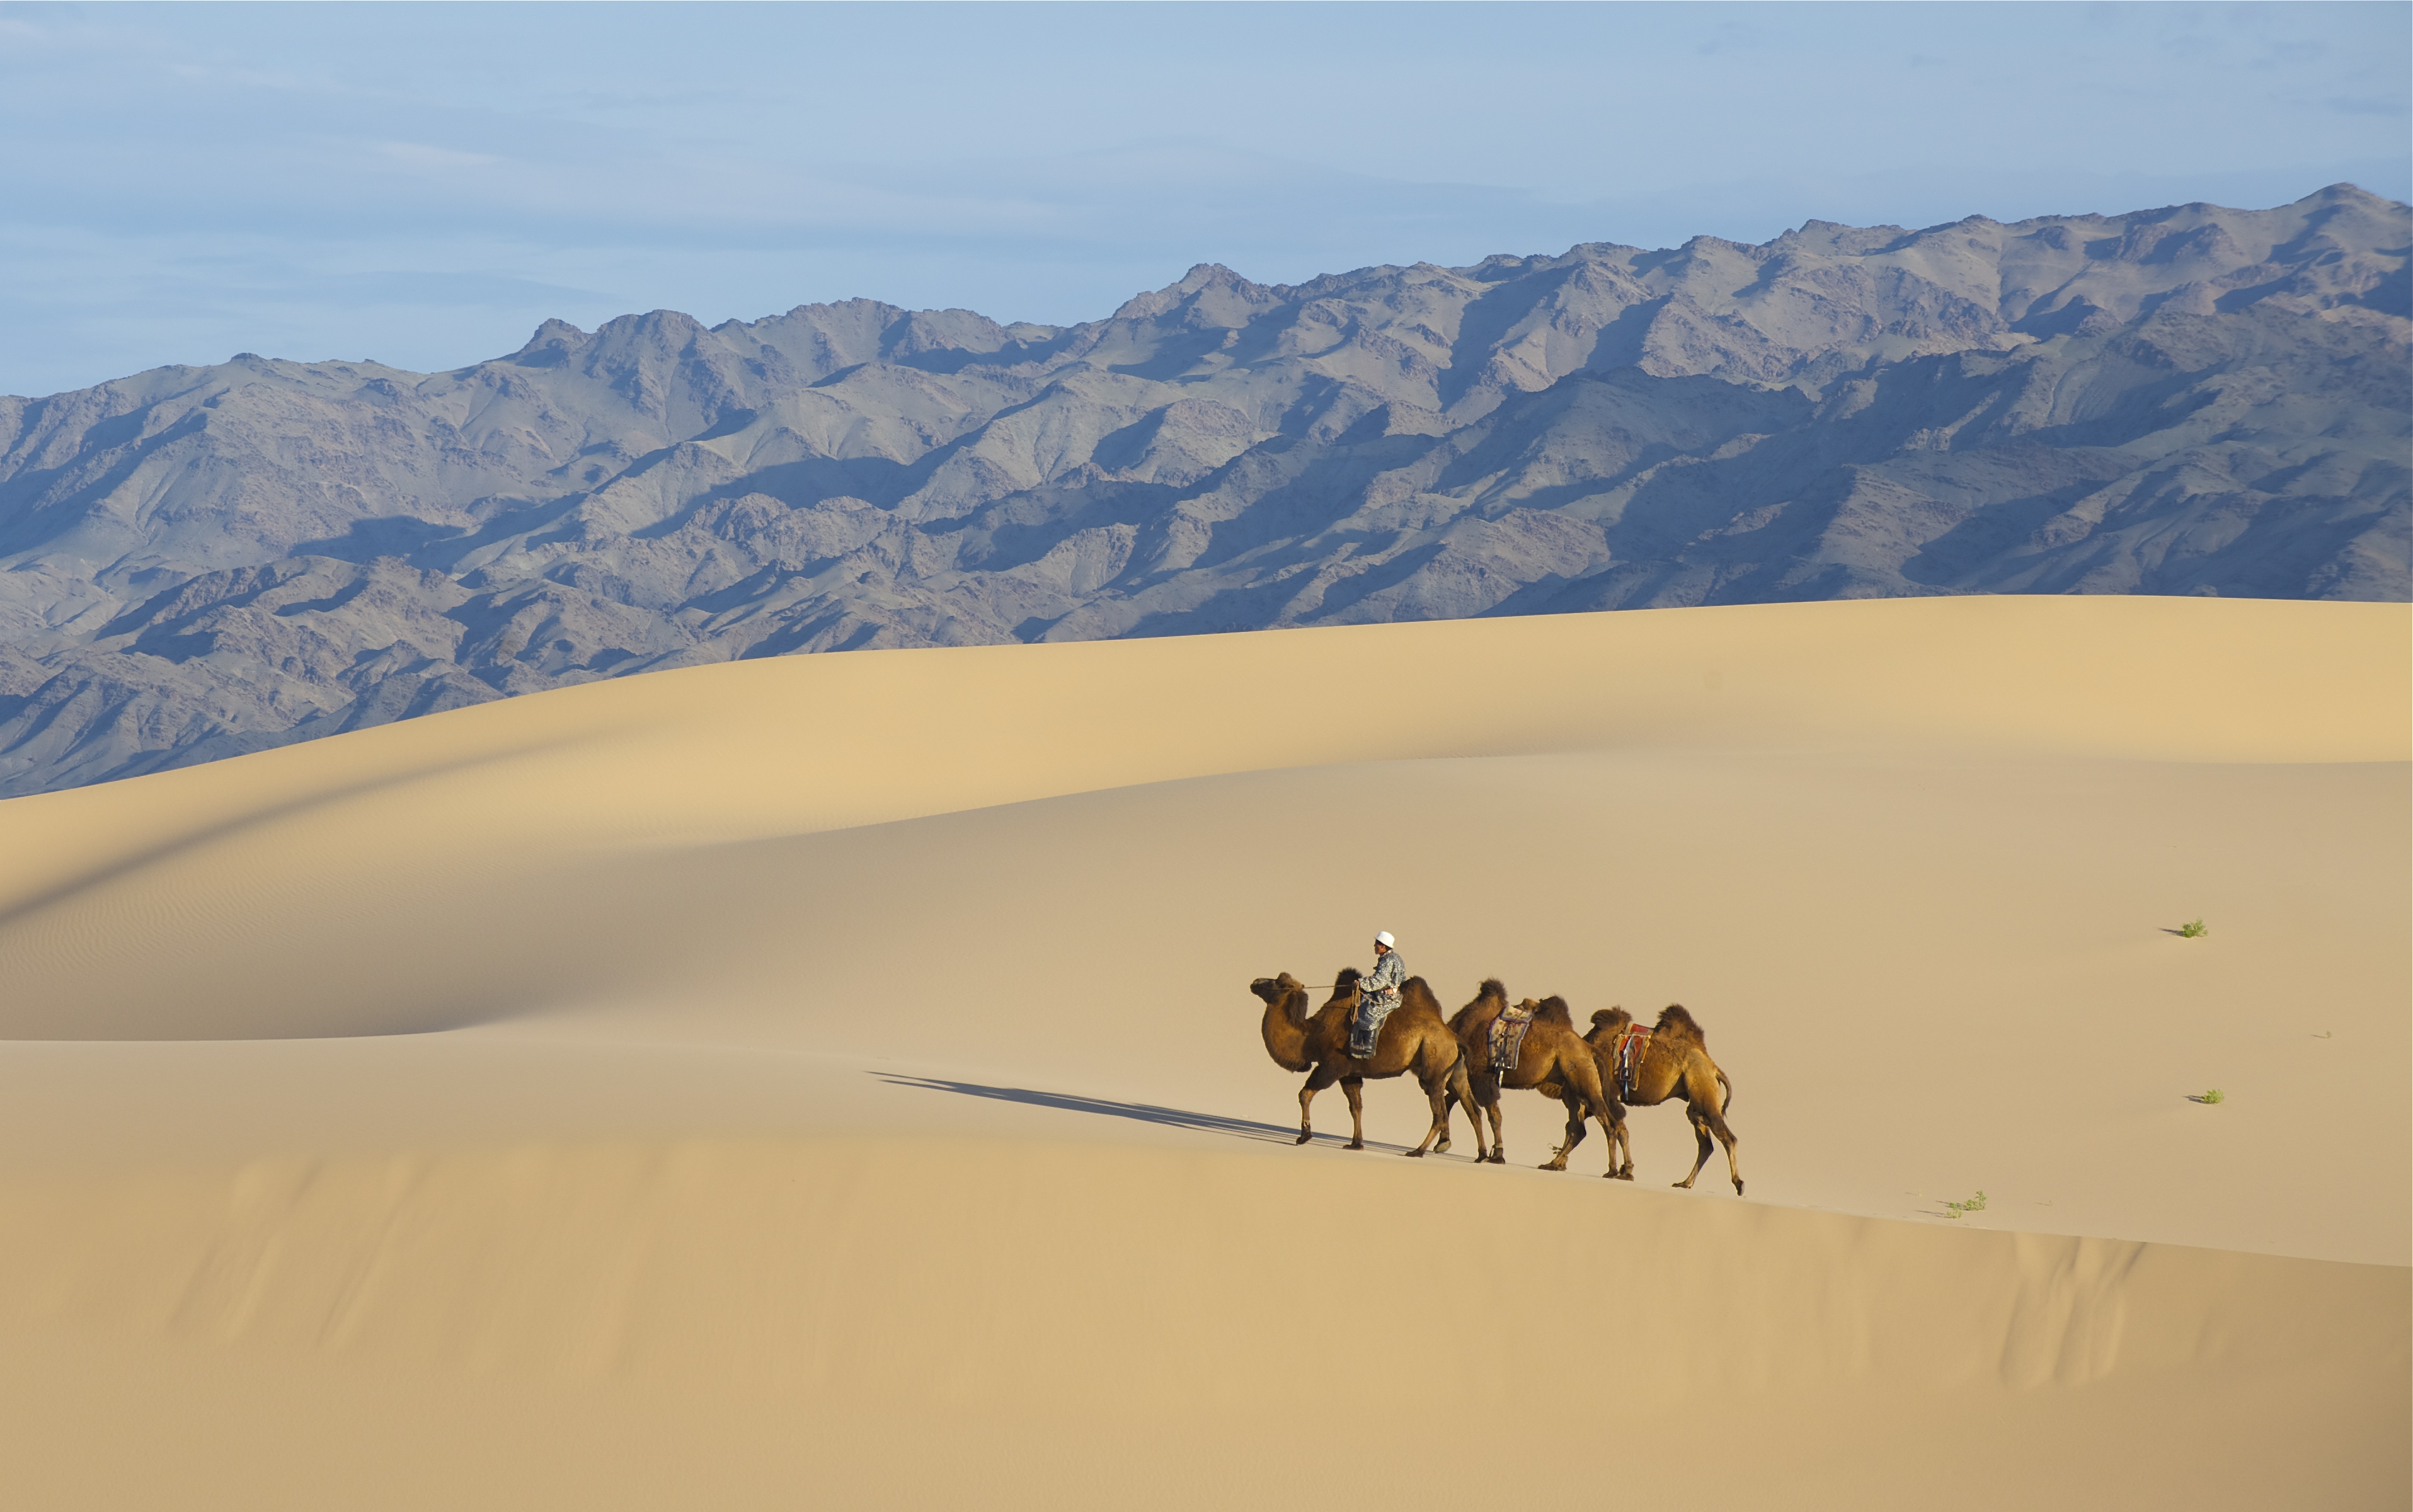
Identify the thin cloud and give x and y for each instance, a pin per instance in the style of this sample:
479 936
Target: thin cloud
419 155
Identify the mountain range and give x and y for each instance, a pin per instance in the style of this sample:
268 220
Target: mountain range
196 562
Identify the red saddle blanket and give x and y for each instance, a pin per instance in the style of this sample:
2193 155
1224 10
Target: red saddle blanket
1625 1055
1508 1038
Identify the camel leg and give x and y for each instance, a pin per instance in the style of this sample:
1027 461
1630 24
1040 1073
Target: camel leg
1458 1092
1574 1131
1726 1137
1436 1094
1354 1090
1612 1128
1557 1161
1700 1132
1621 1144
1490 1091
1323 1076
1478 1098
1579 1109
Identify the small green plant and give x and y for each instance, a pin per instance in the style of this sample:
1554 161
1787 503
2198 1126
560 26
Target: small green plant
2215 1095
1975 1205
2193 931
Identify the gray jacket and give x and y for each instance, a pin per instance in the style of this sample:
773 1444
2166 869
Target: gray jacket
1380 987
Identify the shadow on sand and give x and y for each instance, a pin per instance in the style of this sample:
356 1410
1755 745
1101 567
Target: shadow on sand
1171 1117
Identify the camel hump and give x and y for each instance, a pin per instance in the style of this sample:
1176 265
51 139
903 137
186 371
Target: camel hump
1611 1018
1417 990
1492 988
1675 1020
1346 977
1553 1010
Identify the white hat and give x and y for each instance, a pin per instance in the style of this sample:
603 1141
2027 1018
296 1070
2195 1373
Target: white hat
1382 937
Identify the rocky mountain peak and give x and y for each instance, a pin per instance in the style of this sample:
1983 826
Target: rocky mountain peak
198 561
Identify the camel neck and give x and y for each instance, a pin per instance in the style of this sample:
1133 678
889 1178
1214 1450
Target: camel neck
1285 1028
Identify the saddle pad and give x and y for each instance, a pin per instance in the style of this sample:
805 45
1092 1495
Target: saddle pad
1508 1039
1633 1043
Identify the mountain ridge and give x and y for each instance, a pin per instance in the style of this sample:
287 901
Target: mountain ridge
198 561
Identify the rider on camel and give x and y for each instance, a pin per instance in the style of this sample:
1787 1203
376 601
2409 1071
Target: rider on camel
1378 993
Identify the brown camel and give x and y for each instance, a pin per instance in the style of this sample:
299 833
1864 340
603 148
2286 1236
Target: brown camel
1554 1060
1413 1042
1672 1061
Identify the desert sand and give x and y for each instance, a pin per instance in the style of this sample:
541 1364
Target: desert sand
832 1080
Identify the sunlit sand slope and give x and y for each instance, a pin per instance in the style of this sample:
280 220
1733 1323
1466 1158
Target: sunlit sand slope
833 1079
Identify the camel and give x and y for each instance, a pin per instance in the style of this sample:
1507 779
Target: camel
1675 1062
1413 1042
1554 1060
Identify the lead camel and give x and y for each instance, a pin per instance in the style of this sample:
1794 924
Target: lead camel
1413 1042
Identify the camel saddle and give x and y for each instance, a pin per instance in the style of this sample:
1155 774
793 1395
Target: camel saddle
1508 1038
1625 1055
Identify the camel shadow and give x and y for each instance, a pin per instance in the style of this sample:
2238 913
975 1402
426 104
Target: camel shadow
1171 1117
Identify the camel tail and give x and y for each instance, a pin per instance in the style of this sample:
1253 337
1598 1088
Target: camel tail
1727 1106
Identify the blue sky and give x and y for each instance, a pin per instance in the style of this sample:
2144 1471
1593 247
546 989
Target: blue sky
422 183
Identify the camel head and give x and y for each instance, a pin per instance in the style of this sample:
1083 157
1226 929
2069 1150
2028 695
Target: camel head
1285 1020
1486 1005
1609 1021
1274 989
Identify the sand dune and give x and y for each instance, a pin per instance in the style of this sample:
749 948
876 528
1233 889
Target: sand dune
833 1077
